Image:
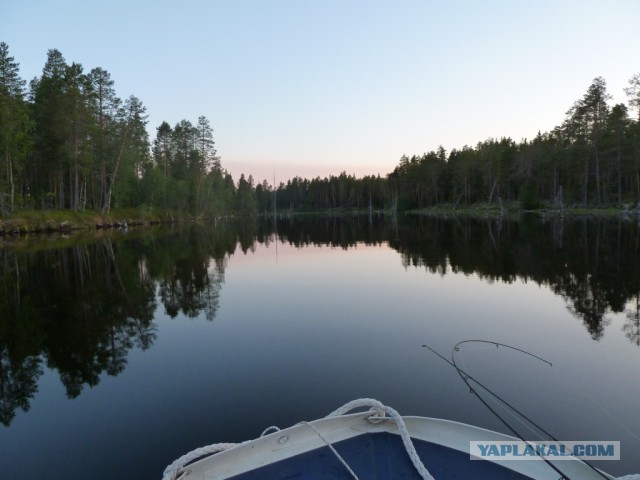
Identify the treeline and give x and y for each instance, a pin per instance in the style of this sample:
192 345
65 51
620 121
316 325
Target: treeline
69 142
334 192
591 160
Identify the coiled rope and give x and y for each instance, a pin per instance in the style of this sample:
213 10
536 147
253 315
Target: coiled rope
380 410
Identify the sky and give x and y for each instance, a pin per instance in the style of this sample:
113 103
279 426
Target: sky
317 87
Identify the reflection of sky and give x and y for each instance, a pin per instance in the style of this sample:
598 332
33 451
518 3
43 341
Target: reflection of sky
296 338
365 293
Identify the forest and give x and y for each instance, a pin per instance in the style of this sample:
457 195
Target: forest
591 160
68 142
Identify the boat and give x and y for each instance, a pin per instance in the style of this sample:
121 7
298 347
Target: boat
377 443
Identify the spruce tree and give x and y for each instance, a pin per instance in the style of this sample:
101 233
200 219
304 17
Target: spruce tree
15 127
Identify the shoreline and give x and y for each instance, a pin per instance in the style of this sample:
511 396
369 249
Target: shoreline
494 211
27 222
65 221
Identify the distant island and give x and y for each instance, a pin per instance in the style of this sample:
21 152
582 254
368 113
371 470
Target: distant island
68 143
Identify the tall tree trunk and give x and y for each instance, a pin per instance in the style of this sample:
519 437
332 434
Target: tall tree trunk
637 185
10 175
76 187
61 191
585 197
619 159
102 198
598 191
637 152
70 183
495 181
107 206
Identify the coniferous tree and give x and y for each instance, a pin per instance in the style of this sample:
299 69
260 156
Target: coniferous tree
47 167
206 145
633 93
76 130
15 127
105 105
133 144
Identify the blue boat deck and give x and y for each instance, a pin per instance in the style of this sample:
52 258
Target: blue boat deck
381 456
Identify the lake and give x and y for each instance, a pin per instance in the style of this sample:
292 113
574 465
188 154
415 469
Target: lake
121 351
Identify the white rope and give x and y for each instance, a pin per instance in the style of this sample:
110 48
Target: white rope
635 476
373 404
268 429
380 410
173 470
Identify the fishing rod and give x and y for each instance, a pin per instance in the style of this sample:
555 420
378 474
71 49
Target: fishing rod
456 348
466 377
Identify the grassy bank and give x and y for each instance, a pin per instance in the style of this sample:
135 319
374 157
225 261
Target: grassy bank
43 221
35 221
513 210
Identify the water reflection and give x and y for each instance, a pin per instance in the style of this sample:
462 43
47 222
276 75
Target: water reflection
631 327
592 263
80 310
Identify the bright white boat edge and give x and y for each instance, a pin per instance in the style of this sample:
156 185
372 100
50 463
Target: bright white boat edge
302 438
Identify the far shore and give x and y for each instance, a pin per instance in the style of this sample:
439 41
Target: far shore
50 221
513 210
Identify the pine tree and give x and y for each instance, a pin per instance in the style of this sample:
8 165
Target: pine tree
633 93
206 145
47 172
15 125
105 104
76 131
133 143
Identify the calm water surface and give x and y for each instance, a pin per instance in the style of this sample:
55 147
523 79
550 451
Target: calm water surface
120 353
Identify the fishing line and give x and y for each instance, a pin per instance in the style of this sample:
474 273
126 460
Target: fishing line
511 409
609 414
466 377
456 348
525 422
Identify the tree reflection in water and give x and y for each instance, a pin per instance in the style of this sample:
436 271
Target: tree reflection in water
81 309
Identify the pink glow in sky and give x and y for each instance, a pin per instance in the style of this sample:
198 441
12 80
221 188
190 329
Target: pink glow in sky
313 88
